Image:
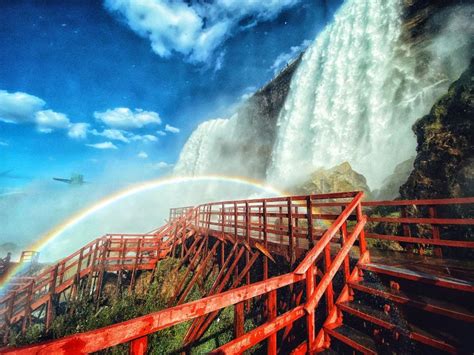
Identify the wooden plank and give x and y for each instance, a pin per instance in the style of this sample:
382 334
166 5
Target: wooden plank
446 221
403 239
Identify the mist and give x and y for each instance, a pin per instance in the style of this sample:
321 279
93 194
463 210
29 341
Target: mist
27 216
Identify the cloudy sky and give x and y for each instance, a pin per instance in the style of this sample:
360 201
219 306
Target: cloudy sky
86 85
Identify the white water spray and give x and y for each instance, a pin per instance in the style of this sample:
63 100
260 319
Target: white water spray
354 98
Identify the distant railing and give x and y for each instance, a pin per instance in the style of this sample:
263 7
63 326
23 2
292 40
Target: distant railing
112 252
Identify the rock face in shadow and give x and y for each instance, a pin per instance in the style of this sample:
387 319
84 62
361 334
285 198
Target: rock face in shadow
258 117
417 16
241 145
340 178
444 165
391 185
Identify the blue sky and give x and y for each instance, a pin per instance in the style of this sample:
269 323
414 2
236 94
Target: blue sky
86 85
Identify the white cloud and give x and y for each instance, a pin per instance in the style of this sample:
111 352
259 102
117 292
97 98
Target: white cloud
159 166
103 145
161 133
169 128
284 58
194 29
19 107
123 117
145 138
142 155
48 120
78 130
114 134
124 136
4 144
219 61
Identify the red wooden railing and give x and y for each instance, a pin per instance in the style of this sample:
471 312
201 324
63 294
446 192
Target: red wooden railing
289 226
277 221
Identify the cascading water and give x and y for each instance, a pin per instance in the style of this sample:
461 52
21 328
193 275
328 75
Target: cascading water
354 98
198 154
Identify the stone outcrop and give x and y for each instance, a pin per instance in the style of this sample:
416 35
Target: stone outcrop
336 179
391 185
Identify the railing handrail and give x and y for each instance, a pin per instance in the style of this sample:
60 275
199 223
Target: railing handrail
132 329
316 251
122 332
426 202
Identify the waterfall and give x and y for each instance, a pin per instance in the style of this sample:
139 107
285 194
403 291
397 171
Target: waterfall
199 154
354 98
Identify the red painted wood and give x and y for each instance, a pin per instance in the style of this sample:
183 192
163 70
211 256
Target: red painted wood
272 314
336 263
235 219
314 253
139 346
260 333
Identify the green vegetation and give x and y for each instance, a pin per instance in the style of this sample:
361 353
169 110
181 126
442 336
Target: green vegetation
150 295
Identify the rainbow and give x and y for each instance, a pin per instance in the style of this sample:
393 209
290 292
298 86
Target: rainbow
132 190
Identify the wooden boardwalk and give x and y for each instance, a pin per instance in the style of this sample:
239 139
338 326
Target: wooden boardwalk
318 237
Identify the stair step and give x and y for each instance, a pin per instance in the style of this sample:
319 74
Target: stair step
428 304
385 321
353 338
447 282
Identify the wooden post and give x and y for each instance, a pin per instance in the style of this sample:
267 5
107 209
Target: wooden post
27 316
290 234
92 265
272 314
362 242
223 232
77 277
100 277
406 228
239 319
435 232
265 241
235 222
8 316
139 346
51 302
309 216
137 258
247 252
346 266
310 316
329 290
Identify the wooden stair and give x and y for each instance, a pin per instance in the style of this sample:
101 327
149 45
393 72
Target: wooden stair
392 307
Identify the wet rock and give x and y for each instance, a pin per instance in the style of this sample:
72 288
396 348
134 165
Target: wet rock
337 179
444 164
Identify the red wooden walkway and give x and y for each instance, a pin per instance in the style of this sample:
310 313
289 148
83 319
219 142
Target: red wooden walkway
343 296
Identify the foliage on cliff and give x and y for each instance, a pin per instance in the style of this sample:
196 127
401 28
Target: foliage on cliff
114 307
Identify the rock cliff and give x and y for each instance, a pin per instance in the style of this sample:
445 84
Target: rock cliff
444 165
